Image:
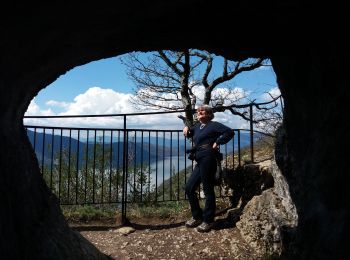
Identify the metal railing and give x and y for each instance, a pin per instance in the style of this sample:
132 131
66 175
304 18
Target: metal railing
120 166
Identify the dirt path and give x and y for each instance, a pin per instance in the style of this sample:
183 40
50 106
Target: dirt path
169 241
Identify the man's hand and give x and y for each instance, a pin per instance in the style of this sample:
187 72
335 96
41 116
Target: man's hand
215 146
185 131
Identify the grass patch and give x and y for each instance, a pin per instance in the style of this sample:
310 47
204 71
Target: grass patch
170 210
163 210
86 213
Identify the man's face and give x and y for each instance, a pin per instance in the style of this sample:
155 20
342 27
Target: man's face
202 114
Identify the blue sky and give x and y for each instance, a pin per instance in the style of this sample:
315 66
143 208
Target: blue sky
105 73
102 87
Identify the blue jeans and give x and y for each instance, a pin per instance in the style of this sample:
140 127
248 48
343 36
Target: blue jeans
204 172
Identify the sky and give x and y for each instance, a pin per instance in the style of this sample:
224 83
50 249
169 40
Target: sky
103 87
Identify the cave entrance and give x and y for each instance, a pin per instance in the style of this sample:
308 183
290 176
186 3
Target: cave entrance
80 150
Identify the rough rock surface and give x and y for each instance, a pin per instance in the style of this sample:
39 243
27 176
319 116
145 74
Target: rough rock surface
266 216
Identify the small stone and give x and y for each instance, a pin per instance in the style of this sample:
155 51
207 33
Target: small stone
125 230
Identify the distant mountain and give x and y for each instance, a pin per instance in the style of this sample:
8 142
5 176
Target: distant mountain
48 146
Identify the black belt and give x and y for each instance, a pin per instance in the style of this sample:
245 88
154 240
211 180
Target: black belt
204 146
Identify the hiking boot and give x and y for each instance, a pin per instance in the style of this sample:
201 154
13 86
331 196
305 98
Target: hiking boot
193 222
204 227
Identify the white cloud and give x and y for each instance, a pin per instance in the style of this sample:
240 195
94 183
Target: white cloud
34 110
54 103
97 101
237 94
228 94
274 92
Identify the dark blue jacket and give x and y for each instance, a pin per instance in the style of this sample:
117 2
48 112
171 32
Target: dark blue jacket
212 132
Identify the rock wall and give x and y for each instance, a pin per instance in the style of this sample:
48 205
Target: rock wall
268 220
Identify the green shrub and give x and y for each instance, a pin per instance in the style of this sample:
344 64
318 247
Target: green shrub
88 212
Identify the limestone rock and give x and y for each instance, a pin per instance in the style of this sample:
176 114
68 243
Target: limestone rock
266 216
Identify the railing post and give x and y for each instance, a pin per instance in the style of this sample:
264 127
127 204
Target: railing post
124 181
239 146
251 133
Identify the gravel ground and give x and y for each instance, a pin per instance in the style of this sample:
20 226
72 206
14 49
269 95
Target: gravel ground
158 239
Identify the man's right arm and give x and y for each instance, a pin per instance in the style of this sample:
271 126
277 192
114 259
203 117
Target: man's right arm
188 132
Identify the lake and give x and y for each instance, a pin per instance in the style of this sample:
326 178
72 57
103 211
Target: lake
162 168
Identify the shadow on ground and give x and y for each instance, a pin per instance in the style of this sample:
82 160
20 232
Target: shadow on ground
226 218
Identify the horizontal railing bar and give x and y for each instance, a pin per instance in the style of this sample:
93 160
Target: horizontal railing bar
128 129
254 131
100 129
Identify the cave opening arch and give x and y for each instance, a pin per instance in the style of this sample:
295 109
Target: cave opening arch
47 46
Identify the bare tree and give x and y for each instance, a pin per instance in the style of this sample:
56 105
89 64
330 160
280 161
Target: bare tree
166 79
269 115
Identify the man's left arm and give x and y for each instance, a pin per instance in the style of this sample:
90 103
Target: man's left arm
226 134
